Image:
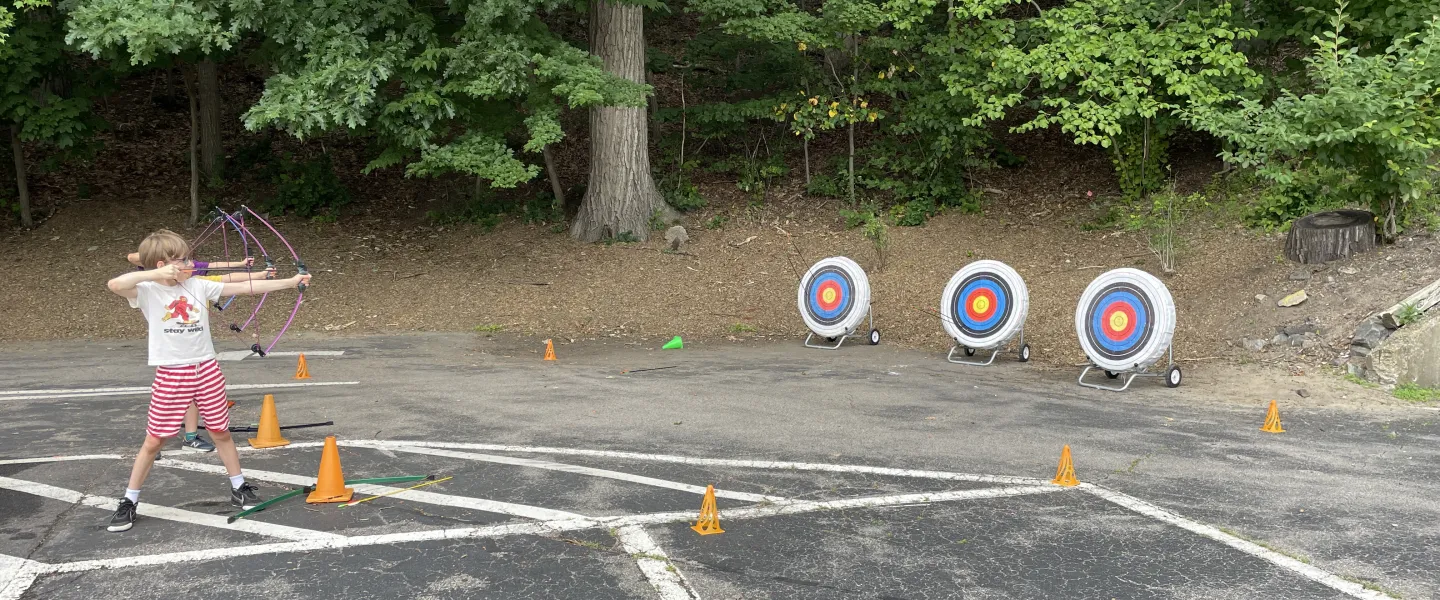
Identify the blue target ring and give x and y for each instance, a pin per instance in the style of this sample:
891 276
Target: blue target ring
829 312
996 314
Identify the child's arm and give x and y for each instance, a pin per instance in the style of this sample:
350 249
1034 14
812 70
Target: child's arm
124 285
134 258
250 288
248 276
249 261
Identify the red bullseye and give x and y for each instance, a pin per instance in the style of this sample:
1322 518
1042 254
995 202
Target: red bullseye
981 304
1117 321
829 296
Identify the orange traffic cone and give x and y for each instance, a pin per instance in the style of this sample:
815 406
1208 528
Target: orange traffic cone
1065 473
709 522
1272 420
302 371
549 350
330 486
268 433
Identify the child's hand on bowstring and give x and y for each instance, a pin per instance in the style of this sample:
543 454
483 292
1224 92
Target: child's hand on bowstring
167 272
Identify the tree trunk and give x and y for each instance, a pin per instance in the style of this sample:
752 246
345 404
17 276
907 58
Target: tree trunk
1327 236
20 184
194 148
621 196
555 187
212 152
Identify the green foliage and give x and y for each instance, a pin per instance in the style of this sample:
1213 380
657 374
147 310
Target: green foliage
716 222
1373 116
625 237
1414 392
1409 313
489 328
1142 162
1307 190
681 193
35 65
308 188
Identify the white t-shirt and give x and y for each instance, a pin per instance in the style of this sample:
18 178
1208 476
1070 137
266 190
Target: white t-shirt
179 317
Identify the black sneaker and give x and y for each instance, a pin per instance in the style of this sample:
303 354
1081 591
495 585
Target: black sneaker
244 497
198 444
124 517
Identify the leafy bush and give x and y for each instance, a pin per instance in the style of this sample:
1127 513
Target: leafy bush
1307 191
1373 116
680 193
1409 313
308 188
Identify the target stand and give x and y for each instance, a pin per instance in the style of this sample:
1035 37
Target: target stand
1126 321
834 299
983 308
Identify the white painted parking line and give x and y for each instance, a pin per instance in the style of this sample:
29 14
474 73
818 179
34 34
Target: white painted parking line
17 575
1307 571
494 506
244 354
576 469
132 391
164 512
48 459
708 462
664 576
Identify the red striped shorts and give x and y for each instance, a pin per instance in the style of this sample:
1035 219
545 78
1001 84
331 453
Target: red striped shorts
176 387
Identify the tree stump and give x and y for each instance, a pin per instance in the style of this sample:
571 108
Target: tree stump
1327 236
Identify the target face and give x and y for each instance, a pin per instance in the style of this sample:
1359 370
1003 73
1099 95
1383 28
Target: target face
1125 320
984 304
834 297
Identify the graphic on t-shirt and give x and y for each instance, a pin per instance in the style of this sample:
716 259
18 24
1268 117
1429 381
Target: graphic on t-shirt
180 308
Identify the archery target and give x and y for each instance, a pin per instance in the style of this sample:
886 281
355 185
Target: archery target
984 304
834 297
1125 320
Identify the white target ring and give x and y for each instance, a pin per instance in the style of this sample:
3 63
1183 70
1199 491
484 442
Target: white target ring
1125 320
984 305
834 297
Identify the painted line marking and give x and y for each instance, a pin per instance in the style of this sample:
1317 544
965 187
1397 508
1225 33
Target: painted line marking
528 528
1310 572
17 575
494 506
234 355
709 462
663 575
579 470
129 391
48 459
164 512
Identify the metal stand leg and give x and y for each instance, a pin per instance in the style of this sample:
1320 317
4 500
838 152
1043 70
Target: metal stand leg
1020 350
869 315
838 341
1170 380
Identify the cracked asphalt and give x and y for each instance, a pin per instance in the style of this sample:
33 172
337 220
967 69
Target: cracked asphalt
1353 491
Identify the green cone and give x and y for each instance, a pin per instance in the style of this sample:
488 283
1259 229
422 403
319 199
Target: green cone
674 344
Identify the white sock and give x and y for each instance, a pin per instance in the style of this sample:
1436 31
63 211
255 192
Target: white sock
132 495
235 481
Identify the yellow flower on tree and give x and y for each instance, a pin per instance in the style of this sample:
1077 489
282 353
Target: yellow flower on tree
814 101
801 46
864 104
873 115
832 112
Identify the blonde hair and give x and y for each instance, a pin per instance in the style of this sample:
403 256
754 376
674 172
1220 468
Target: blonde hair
163 246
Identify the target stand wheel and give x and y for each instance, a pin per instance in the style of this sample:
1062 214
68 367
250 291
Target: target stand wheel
983 307
1025 353
1172 377
834 300
1125 321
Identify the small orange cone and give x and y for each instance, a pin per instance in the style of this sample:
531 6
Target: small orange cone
1065 473
709 522
1272 420
268 433
330 486
302 371
549 350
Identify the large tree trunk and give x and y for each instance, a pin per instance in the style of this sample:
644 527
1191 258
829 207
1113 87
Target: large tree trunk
621 196
212 152
1327 236
20 184
194 148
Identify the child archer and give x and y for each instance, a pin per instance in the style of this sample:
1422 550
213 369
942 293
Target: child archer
192 439
176 305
